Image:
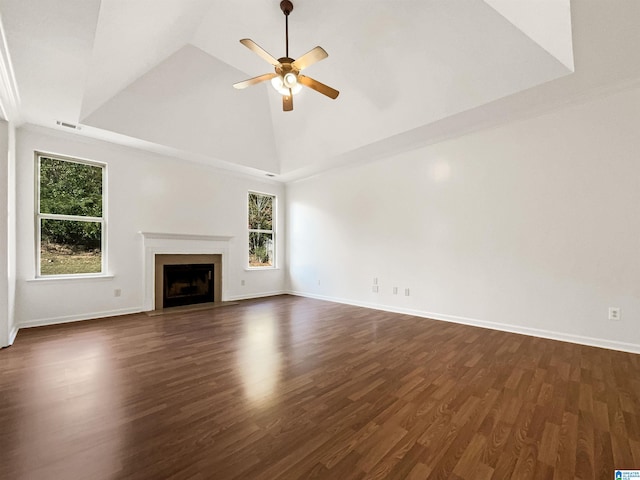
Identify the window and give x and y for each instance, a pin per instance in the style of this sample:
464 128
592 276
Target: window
70 216
261 230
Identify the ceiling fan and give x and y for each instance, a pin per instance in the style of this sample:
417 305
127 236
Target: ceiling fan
287 79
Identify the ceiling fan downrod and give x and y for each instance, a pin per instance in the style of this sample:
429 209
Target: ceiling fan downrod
287 7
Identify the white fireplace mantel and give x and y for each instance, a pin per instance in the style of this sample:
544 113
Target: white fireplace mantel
158 243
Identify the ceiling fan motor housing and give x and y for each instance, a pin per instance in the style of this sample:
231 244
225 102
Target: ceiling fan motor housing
286 66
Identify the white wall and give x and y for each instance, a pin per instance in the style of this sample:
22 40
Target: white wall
531 227
146 192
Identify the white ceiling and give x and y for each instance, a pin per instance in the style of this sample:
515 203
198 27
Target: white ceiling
157 74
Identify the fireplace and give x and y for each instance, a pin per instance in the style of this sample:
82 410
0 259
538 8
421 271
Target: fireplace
161 249
187 284
183 279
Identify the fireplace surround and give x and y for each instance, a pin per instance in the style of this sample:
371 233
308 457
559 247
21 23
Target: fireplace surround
164 260
176 248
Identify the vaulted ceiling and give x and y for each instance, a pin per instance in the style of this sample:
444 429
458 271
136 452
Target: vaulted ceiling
157 74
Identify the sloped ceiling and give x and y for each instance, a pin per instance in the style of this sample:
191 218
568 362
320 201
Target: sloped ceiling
547 22
157 74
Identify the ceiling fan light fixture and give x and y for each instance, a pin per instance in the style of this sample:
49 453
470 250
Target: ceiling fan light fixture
290 80
282 84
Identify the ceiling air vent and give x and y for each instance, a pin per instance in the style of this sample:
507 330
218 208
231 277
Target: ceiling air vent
68 125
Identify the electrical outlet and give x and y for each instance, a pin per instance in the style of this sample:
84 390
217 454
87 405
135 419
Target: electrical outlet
406 292
318 282
375 280
614 313
242 283
374 289
117 292
395 290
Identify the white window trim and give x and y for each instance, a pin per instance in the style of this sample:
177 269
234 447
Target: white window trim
54 216
274 209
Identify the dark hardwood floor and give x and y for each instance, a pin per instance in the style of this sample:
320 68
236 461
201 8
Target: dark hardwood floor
288 388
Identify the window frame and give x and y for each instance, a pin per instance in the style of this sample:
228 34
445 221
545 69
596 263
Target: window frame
39 216
274 206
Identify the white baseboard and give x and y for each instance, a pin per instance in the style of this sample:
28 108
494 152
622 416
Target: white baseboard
124 311
534 332
12 334
235 298
77 318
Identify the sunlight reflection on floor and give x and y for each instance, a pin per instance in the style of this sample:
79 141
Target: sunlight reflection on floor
259 360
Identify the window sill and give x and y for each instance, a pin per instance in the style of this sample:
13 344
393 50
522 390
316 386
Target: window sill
66 278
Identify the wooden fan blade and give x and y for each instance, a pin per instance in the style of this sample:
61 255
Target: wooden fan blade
318 87
254 47
309 58
254 80
287 102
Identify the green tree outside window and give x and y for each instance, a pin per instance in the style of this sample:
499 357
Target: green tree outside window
70 216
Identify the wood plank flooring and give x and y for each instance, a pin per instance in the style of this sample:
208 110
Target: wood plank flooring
293 388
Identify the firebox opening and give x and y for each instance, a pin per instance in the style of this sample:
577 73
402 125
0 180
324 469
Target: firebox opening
187 284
